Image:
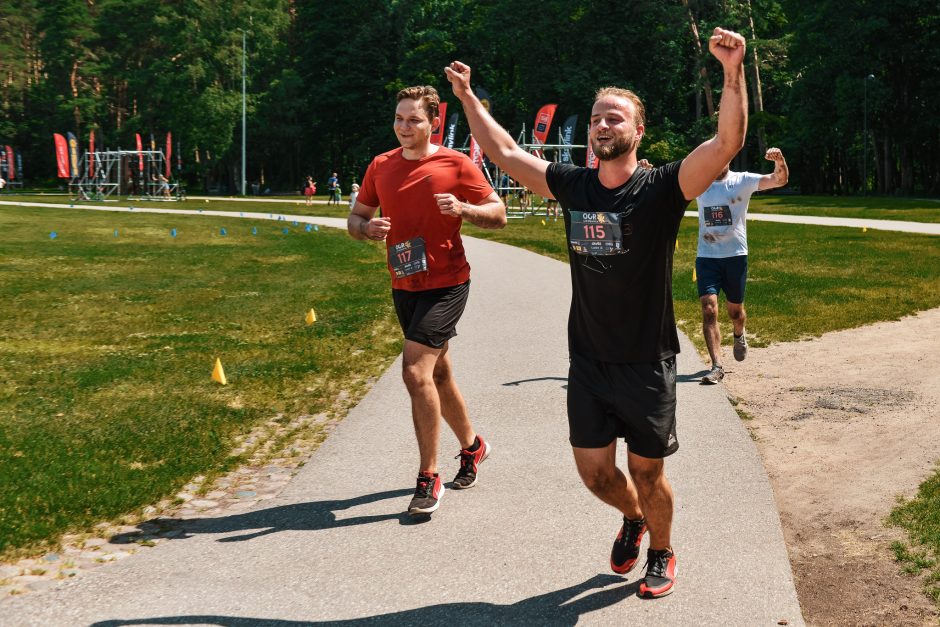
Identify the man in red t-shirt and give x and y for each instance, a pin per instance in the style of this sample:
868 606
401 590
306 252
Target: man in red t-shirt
425 192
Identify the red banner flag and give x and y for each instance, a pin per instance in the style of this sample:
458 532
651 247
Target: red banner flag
169 152
543 120
592 161
438 135
11 165
140 154
91 155
61 156
476 153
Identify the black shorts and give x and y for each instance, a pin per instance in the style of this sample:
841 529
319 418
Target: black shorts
634 401
727 274
430 317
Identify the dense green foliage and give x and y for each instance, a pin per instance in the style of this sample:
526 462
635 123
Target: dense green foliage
322 78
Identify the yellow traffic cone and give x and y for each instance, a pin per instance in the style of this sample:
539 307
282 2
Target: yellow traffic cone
543 222
864 229
311 316
677 244
694 278
217 373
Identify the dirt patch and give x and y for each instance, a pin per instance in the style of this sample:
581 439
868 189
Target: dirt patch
845 423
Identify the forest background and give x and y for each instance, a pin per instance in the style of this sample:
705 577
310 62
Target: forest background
322 76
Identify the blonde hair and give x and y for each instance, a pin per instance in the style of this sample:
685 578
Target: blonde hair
639 111
426 95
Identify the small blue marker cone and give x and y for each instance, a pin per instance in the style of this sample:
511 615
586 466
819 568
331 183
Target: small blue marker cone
115 232
242 214
53 235
172 232
308 228
316 228
254 230
200 211
286 231
295 222
222 231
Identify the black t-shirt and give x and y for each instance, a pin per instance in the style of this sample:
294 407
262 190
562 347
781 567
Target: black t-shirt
621 306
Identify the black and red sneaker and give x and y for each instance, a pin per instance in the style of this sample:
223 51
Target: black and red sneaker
469 463
661 571
428 494
626 549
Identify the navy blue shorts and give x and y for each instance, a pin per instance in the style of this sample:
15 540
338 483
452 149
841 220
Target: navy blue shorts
725 274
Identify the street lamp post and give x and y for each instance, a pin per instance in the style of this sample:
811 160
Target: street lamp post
865 138
244 178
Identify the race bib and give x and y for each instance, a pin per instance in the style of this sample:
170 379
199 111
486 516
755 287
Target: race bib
408 257
719 215
596 233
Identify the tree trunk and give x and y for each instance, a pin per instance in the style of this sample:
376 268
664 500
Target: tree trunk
700 61
907 170
889 165
879 165
756 93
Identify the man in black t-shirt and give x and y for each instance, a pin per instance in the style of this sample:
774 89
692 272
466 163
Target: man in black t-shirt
621 222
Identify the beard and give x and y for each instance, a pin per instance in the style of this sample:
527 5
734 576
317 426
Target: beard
617 148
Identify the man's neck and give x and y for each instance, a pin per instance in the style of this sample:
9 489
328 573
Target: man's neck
617 172
419 152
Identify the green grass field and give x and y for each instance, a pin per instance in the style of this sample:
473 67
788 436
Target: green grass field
921 517
871 207
803 280
106 402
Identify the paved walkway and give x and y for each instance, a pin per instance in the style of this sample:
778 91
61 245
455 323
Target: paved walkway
527 545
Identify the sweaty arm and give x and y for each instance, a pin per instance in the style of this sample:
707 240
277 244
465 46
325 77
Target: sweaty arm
489 214
781 173
362 225
493 138
703 164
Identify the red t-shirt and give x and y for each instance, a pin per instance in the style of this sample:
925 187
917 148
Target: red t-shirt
405 191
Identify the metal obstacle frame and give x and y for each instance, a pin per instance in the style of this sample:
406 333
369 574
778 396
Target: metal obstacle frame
517 191
118 172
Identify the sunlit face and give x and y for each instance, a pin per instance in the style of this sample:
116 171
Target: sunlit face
412 125
613 130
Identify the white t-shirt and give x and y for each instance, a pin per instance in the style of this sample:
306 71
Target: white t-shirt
722 215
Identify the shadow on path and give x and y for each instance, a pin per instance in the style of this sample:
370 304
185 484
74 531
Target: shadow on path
515 383
295 517
552 608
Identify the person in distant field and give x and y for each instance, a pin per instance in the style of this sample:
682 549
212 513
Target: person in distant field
310 188
3 184
163 185
621 223
721 260
425 192
332 186
353 195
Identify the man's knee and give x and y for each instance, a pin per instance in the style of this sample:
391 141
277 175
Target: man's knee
598 479
442 373
415 377
736 312
709 310
646 475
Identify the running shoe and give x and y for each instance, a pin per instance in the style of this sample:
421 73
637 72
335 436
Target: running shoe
716 374
626 549
661 572
469 463
740 347
428 494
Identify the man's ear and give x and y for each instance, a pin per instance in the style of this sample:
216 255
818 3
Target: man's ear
435 123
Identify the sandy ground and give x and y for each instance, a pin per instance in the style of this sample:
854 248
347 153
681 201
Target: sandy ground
845 423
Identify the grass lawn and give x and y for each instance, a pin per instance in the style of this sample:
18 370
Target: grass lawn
106 404
803 280
921 517
872 207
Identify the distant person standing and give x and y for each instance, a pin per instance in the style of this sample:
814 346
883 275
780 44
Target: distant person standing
332 186
353 195
310 188
721 261
426 191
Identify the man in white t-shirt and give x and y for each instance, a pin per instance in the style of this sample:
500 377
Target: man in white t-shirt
721 261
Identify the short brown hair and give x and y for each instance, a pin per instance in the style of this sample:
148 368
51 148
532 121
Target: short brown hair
639 116
426 95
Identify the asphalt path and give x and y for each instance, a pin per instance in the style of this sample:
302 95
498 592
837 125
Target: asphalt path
527 545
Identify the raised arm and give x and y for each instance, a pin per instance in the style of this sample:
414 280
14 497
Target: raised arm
498 145
781 173
703 164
